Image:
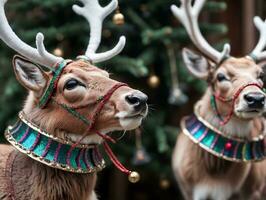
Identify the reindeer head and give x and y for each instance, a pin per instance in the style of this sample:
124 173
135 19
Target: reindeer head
66 96
235 83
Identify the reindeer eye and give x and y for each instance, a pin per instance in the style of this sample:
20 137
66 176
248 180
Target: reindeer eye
71 84
221 77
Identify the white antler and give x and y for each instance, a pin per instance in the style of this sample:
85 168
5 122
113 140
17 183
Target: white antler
39 55
188 16
95 14
258 52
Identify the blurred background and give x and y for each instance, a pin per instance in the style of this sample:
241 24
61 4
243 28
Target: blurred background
150 62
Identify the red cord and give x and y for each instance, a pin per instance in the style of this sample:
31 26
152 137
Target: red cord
96 112
104 100
93 118
113 158
235 96
106 137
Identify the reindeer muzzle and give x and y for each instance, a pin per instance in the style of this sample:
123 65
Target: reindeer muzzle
255 100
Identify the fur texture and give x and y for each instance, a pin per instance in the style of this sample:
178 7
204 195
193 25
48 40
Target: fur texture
33 180
29 179
202 176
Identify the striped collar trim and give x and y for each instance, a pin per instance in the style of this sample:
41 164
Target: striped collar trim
51 152
228 148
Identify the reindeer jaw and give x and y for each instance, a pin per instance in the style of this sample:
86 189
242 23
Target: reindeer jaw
246 113
130 121
127 122
243 111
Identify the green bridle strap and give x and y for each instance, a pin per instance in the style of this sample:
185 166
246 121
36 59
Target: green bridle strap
53 83
73 112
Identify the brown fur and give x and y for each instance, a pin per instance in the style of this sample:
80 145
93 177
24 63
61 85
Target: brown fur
33 180
194 167
55 117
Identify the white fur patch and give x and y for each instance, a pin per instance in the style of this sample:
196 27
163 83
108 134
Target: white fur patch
127 122
93 196
215 192
130 123
92 139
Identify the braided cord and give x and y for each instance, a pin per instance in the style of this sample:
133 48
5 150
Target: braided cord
73 112
53 84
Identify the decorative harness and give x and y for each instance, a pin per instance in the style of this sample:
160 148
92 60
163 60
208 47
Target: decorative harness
215 97
219 144
62 154
216 142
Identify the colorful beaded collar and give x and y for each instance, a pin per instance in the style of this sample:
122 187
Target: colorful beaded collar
52 151
218 144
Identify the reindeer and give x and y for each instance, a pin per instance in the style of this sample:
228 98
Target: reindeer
70 109
213 155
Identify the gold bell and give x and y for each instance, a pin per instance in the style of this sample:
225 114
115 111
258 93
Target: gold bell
118 18
134 177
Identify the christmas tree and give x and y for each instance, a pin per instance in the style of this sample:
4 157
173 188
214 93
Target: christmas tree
150 62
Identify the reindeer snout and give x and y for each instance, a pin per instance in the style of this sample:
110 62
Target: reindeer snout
137 100
255 100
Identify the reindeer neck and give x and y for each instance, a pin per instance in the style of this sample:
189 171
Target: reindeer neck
43 182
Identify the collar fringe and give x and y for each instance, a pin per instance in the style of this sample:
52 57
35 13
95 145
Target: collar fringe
52 151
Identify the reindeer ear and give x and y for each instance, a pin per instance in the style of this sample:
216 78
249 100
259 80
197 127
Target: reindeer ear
29 74
196 64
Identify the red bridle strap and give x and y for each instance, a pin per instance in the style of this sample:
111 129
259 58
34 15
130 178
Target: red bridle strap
233 100
96 112
115 160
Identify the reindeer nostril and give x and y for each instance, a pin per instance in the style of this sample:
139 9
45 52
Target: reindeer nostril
137 100
255 100
132 100
249 98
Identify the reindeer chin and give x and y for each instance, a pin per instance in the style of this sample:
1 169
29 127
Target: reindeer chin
131 123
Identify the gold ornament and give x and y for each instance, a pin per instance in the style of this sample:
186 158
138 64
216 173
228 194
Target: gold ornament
164 183
134 177
58 52
154 81
118 18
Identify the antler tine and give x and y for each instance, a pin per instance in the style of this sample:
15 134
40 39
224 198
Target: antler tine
258 51
95 14
188 15
39 55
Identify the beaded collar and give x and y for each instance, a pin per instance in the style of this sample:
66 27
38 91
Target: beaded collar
220 145
52 151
